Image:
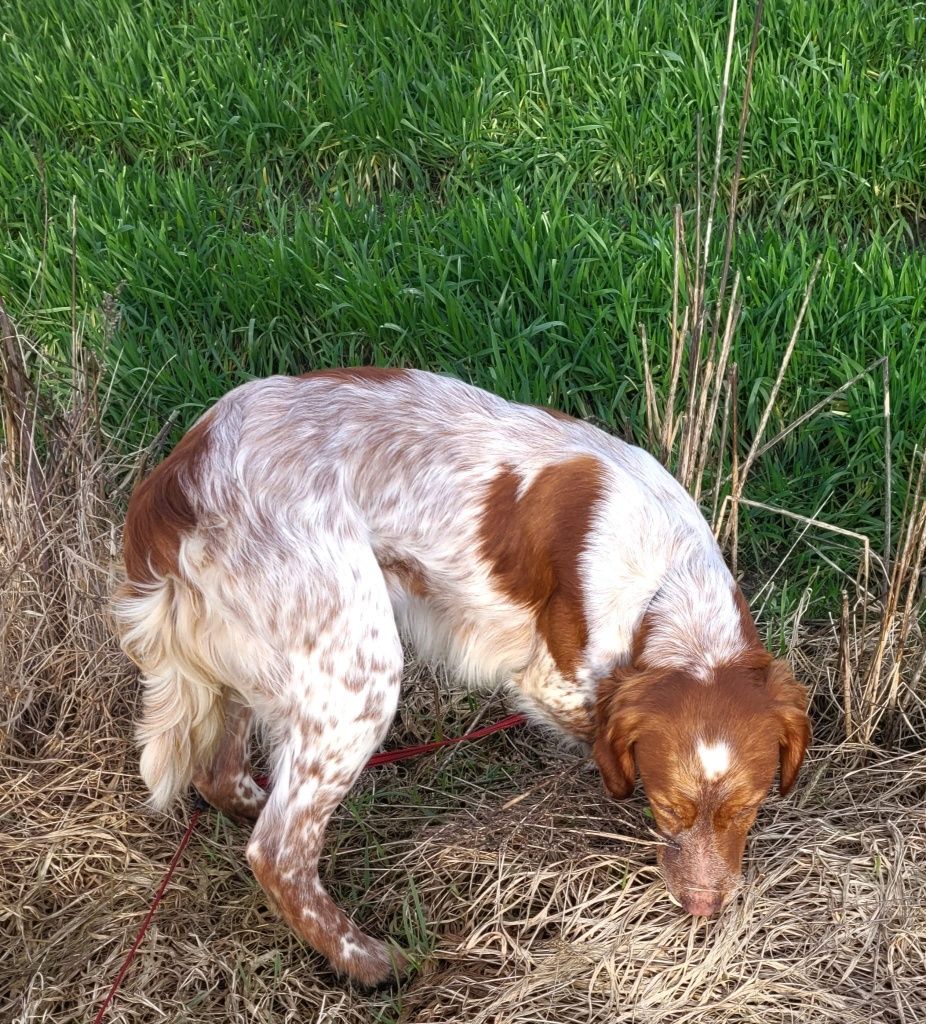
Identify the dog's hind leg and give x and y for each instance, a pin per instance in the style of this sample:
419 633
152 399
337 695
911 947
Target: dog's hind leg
332 714
226 782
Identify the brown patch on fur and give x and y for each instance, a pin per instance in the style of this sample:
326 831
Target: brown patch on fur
533 543
373 706
793 723
639 639
747 623
160 513
618 709
355 681
578 724
357 375
313 769
408 573
557 414
227 783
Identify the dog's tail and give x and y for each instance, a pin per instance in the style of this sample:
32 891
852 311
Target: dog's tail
163 623
183 717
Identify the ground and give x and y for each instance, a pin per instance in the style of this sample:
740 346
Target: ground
522 891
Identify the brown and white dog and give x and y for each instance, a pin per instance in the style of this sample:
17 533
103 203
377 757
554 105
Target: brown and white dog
275 556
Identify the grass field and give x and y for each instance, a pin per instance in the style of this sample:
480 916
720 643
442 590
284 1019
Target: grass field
472 187
192 194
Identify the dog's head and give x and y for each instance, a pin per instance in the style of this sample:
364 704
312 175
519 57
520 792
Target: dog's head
707 749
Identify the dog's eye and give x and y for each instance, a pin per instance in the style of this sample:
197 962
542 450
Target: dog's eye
665 809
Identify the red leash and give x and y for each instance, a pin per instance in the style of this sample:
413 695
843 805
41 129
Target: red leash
406 753
386 757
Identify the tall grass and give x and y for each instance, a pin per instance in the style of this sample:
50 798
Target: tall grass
486 188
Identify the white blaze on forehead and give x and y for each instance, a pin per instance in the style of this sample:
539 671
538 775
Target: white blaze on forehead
715 759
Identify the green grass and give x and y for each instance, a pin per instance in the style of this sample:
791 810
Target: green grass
480 187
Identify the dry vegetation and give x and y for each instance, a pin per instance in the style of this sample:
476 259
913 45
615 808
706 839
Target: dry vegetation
523 892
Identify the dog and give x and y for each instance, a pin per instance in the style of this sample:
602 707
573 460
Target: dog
303 524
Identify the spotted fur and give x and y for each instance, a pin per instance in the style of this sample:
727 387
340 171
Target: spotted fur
303 524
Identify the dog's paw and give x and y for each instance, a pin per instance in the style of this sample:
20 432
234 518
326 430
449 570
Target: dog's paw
371 963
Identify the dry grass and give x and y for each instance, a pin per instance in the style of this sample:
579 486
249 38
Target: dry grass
553 911
523 892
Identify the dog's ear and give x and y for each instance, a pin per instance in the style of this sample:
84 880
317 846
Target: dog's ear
790 704
617 726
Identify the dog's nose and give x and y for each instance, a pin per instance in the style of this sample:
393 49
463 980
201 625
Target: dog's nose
703 904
